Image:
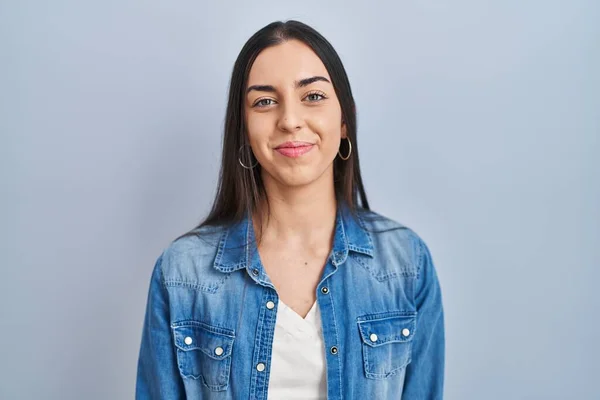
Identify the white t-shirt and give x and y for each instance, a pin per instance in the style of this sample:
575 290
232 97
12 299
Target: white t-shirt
298 358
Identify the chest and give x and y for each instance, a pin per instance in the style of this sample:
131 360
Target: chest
295 273
228 334
297 352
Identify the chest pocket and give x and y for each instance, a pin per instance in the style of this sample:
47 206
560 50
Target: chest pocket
386 342
204 352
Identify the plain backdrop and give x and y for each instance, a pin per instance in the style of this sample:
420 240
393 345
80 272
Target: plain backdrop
479 127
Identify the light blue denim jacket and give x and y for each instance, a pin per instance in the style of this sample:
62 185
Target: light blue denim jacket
207 326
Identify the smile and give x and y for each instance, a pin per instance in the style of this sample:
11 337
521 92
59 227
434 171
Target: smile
294 149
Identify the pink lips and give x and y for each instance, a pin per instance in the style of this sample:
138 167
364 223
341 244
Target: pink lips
294 149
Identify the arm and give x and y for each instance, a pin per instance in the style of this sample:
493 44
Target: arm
425 373
157 372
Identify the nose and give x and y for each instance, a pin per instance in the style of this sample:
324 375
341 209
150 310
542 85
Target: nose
291 118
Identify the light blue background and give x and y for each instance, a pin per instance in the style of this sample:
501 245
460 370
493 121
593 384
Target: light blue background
479 127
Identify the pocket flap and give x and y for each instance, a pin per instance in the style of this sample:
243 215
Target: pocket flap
389 327
215 342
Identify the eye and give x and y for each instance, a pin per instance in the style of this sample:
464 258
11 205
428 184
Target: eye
315 96
263 103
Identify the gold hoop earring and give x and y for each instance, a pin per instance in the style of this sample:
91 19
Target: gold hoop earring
349 151
240 158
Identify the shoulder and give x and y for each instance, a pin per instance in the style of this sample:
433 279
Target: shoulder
393 241
188 259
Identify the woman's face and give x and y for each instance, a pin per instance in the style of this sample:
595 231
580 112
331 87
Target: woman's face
293 116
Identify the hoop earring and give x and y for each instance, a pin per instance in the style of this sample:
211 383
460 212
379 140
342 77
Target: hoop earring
240 159
349 151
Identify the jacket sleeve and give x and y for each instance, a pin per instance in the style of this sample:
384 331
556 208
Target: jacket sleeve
424 379
157 371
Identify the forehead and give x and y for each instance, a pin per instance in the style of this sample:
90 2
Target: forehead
284 63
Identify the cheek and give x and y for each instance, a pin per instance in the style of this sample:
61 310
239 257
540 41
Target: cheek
328 126
258 128
253 125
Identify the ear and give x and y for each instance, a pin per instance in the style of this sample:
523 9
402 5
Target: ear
344 130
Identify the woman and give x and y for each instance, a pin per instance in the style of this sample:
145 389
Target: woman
291 288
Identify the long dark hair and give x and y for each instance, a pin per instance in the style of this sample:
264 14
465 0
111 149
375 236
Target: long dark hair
241 190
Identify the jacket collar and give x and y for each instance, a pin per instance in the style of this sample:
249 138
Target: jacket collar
237 247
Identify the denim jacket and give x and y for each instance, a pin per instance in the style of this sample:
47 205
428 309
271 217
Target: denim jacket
208 333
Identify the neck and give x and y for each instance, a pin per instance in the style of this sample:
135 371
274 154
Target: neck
305 214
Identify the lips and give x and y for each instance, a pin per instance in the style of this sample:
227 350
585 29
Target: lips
294 149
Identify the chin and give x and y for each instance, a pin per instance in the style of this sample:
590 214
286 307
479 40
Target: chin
297 178
298 181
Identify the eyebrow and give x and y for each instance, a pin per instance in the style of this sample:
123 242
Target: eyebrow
298 84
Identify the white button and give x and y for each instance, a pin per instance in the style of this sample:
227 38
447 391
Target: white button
405 332
219 351
373 337
260 367
270 305
188 340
